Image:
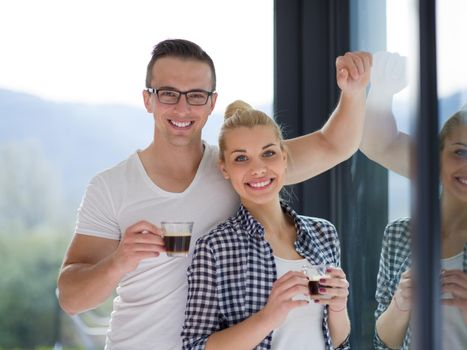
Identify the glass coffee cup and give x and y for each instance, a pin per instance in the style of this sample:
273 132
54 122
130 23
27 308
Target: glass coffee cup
177 237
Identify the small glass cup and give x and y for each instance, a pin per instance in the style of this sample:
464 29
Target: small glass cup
177 237
315 273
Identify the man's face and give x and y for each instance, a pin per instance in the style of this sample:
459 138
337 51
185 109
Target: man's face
179 124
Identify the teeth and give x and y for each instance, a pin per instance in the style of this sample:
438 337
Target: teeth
463 180
180 124
260 184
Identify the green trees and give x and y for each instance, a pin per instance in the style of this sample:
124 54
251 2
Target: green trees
33 235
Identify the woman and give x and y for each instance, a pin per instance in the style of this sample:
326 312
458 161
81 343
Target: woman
394 280
246 289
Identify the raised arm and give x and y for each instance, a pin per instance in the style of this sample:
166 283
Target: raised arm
340 137
382 142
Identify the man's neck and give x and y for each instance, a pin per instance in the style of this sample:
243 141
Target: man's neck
172 167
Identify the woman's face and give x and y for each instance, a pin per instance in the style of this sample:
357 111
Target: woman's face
254 163
454 164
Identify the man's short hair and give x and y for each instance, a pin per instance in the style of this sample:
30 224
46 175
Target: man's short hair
182 49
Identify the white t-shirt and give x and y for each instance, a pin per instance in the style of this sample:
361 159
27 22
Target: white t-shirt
302 329
454 329
148 311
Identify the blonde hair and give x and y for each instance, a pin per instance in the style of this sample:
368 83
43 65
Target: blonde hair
455 121
241 114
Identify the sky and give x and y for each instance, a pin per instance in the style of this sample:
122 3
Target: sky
96 51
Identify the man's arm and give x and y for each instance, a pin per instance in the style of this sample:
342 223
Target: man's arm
93 266
339 138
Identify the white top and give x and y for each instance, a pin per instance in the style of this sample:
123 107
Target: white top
148 311
454 329
302 329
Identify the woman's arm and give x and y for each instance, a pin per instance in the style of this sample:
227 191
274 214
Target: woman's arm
336 286
392 324
202 328
394 304
252 331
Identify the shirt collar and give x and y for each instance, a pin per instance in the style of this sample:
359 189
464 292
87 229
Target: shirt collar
253 227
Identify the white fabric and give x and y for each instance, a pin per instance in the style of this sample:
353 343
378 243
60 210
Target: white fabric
454 329
148 311
302 329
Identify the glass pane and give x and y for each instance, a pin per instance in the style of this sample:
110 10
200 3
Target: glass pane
452 102
71 105
388 29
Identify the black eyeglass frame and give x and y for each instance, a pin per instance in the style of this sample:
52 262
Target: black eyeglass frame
180 93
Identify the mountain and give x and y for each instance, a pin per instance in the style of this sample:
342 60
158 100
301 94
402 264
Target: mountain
81 139
78 139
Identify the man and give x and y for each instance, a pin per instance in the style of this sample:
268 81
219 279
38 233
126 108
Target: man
117 242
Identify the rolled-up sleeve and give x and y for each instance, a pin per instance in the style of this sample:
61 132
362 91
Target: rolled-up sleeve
202 307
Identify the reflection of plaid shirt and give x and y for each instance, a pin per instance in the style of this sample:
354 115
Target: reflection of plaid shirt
395 259
233 270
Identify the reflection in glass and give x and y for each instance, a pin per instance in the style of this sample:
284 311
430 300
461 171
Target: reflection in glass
394 289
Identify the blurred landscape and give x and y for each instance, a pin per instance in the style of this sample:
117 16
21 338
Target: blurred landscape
48 153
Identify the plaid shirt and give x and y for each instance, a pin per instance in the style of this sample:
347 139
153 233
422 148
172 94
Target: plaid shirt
395 259
233 269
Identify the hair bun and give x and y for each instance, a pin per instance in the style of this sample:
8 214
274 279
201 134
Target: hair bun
236 107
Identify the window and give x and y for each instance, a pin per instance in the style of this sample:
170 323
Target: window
70 104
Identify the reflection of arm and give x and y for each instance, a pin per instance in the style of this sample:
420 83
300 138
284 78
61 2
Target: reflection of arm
382 142
391 322
339 138
202 327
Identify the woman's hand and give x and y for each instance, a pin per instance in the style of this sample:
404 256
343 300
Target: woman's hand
334 290
403 295
455 282
281 300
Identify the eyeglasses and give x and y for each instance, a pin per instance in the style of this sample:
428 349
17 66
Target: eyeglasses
171 97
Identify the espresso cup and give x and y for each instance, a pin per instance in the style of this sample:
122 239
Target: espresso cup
314 273
177 237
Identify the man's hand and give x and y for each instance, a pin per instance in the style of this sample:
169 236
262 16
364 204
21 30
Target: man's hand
353 71
141 240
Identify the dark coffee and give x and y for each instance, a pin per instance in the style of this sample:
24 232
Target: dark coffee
313 287
177 245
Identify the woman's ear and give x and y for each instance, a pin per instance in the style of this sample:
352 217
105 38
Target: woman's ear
223 171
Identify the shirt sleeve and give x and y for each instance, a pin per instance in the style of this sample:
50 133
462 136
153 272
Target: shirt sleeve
202 307
96 214
345 344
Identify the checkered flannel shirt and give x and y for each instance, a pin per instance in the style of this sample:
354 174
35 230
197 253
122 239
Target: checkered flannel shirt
394 260
233 269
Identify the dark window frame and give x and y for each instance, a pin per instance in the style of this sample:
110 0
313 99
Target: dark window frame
308 36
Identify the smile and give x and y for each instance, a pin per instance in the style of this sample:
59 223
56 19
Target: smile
462 180
260 185
181 125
